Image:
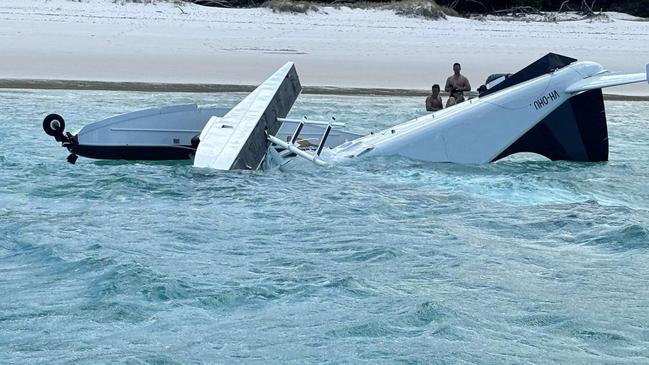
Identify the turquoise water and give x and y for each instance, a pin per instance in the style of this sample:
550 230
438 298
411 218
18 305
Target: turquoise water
383 260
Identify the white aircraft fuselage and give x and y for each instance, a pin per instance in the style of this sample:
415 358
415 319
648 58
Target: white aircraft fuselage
477 130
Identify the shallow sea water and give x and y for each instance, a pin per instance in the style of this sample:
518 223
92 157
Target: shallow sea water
382 260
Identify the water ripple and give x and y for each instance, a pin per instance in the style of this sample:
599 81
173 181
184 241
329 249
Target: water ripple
380 260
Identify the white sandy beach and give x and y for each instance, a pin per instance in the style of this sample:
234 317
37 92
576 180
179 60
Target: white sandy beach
105 41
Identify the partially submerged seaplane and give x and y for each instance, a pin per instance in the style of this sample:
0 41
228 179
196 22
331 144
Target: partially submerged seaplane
553 107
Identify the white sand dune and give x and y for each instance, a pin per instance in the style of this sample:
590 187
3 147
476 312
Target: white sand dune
106 41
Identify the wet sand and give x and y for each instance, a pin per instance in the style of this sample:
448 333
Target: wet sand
225 88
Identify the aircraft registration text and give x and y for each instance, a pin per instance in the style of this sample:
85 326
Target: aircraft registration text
546 99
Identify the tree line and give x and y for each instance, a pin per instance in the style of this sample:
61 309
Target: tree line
634 7
467 7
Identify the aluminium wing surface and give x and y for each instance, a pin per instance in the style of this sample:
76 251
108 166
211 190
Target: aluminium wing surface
238 140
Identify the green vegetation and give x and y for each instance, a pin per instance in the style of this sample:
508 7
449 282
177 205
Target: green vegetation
589 7
435 9
420 8
177 2
289 6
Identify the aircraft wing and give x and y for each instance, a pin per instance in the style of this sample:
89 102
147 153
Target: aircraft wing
238 139
607 80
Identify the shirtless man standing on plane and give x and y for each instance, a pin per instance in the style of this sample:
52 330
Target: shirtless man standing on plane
456 85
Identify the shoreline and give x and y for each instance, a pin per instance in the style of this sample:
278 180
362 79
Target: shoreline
218 49
41 84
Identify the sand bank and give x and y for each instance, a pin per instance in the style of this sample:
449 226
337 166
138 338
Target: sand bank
221 88
98 40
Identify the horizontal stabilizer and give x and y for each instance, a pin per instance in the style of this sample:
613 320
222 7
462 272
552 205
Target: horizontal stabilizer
606 80
238 139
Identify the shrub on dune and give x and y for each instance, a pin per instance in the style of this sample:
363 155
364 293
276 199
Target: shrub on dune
123 2
287 6
421 8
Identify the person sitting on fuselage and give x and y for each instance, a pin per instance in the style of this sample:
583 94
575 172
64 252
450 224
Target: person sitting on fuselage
434 101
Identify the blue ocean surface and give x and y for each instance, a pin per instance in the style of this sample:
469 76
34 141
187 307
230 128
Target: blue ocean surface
380 260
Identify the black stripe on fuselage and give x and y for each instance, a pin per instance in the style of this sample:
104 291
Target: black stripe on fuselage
134 152
575 131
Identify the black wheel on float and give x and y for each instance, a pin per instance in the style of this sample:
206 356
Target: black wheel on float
54 125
